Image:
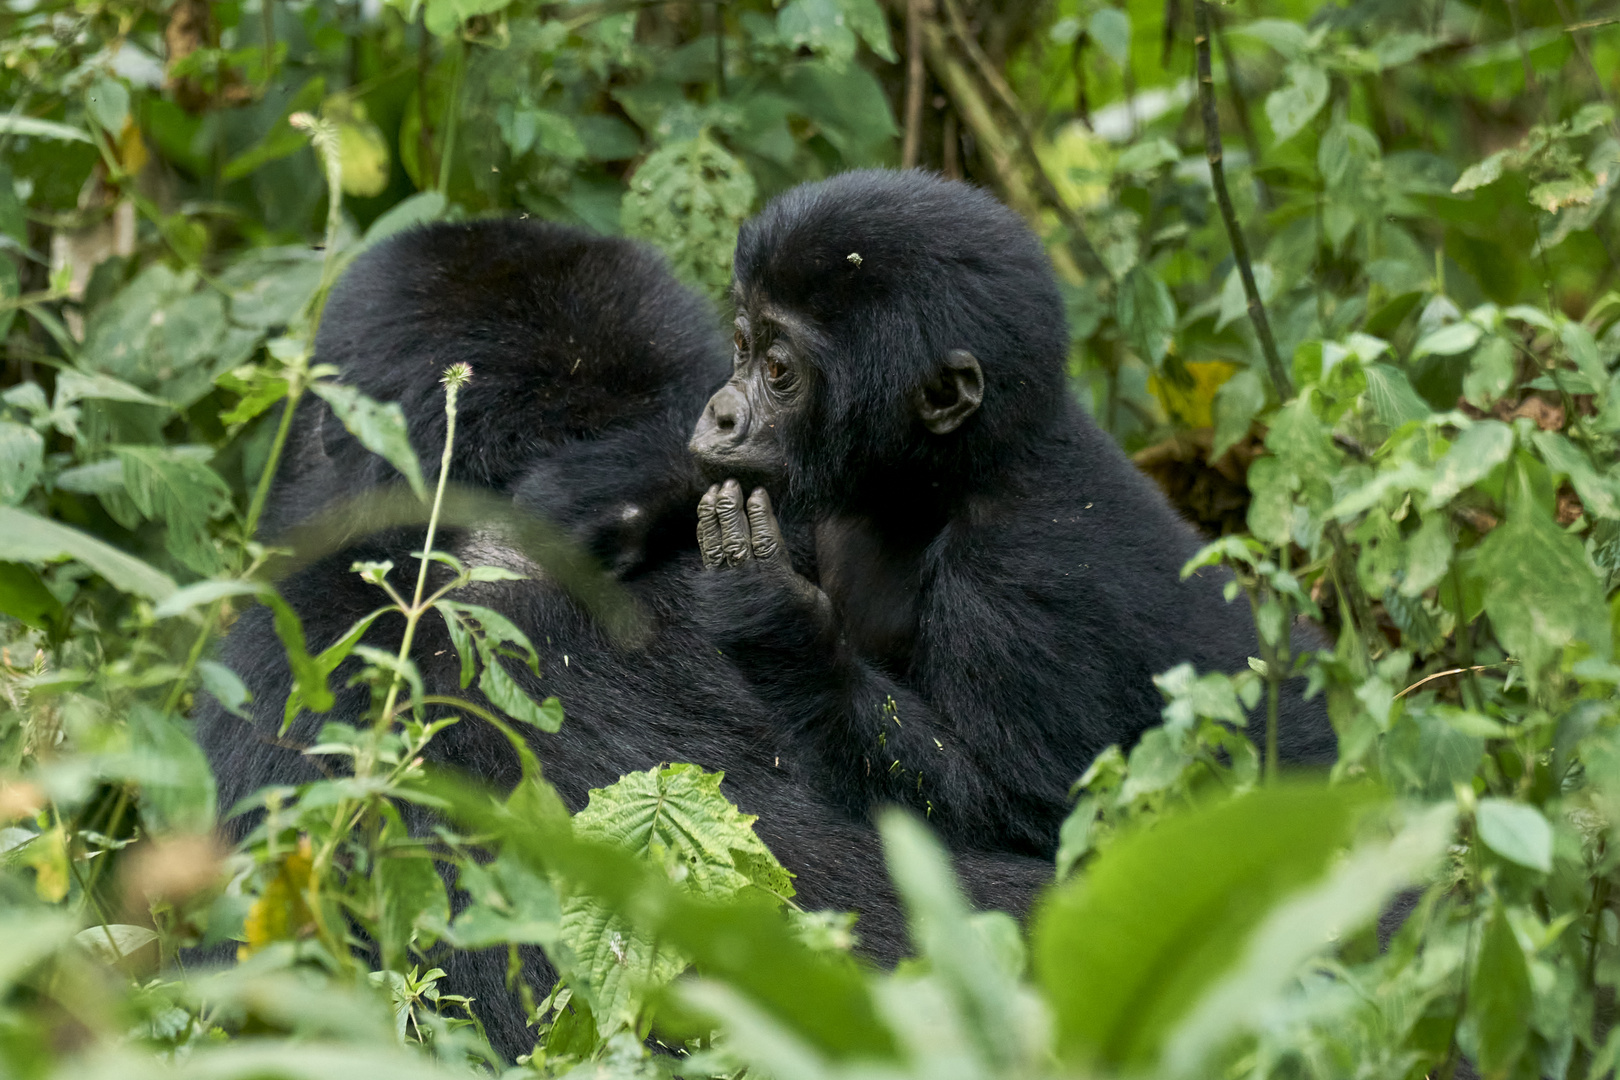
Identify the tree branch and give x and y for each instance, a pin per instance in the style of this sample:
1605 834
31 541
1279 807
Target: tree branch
916 73
1223 199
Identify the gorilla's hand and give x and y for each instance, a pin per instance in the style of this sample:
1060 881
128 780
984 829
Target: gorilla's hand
732 533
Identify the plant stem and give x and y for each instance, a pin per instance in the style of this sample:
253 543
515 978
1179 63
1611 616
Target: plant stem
414 613
1223 199
916 76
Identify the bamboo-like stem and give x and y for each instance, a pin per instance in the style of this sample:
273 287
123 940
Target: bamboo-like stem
976 113
916 76
1223 199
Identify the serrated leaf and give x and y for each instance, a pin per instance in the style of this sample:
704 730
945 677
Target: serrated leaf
175 485
678 815
380 427
1516 831
505 694
1482 173
690 197
1147 314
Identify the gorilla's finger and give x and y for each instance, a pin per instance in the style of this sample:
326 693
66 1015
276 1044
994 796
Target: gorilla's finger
762 523
734 536
708 530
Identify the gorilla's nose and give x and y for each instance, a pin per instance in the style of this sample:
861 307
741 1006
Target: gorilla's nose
723 424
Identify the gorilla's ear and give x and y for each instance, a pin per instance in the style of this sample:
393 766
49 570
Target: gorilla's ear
952 395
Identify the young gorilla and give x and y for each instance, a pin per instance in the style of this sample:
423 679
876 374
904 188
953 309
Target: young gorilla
589 364
997 583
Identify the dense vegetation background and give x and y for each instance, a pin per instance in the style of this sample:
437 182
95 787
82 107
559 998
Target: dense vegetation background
1350 297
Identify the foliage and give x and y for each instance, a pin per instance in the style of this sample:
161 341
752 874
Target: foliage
1423 462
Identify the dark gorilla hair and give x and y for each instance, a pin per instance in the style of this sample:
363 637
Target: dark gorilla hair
994 584
589 365
570 336
895 270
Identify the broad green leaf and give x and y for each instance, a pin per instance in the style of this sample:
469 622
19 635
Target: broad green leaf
506 695
419 209
1125 951
282 139
225 686
1391 396
24 597
22 457
1287 37
1490 373
1110 28
1311 921
115 942
1476 452
1599 494
380 427
1005 1027
1448 340
409 891
1496 1026
1428 555
1517 832
1483 172
27 537
866 18
820 26
13 124
74 386
1235 301
1540 592
511 903
1582 348
1147 314
1237 403
677 818
1294 105
107 102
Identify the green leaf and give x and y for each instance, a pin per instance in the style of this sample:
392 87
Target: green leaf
419 209
1146 313
1309 922
1287 37
820 26
1237 403
380 427
409 891
1005 1027
107 102
506 695
1496 1027
27 537
1476 452
22 458
1110 28
1490 373
226 687
677 818
1235 301
115 942
1391 395
1124 952
13 124
1540 592
1517 832
1449 340
175 485
690 197
25 598
1299 100
866 18
1482 173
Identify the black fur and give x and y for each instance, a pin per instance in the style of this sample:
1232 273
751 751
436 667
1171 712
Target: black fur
589 365
1001 595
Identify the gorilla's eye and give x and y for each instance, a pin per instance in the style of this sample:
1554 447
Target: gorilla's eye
776 370
739 340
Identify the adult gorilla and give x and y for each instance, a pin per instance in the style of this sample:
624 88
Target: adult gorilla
589 365
997 584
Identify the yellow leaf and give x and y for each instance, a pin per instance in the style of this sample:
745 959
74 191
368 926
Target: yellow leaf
280 913
1192 405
